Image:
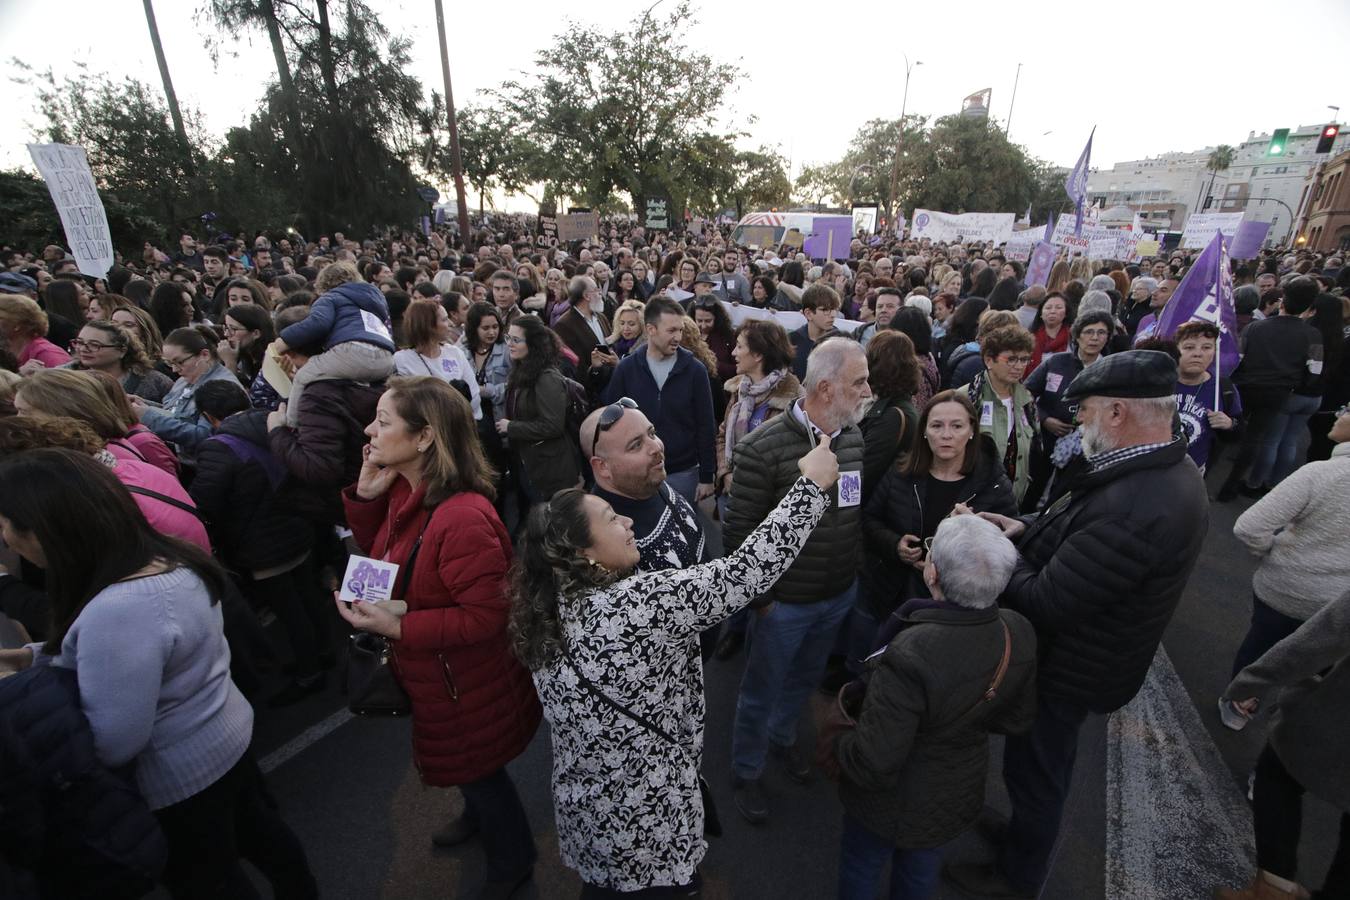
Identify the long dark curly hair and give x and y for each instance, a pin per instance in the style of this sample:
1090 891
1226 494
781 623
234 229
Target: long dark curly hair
548 566
543 354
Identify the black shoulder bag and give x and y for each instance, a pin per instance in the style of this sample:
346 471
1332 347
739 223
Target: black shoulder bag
712 823
372 682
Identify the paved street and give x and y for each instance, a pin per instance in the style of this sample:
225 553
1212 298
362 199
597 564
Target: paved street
1157 812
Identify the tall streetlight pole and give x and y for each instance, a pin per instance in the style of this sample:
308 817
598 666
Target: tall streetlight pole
900 140
456 166
1008 125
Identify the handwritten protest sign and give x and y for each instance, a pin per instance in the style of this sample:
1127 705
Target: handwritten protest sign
71 184
1200 228
940 226
657 217
578 226
1020 243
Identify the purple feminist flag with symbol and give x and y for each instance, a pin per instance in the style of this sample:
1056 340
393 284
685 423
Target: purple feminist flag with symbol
1206 294
1041 262
1076 184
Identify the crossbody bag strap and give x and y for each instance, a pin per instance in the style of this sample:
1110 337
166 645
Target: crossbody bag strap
405 574
146 492
1002 664
616 705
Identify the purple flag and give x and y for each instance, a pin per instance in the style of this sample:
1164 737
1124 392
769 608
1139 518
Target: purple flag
1206 294
830 237
1247 241
1042 260
1076 184
1049 229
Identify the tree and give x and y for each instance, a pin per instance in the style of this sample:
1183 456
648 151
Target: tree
337 133
1220 158
816 184
133 150
494 155
170 95
609 107
865 171
759 179
967 164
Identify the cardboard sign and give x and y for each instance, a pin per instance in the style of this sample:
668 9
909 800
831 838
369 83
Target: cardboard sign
71 185
1020 243
368 580
1146 247
757 236
578 226
794 239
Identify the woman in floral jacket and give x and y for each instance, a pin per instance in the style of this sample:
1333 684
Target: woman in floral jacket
615 658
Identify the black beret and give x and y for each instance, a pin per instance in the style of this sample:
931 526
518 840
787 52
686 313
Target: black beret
1134 373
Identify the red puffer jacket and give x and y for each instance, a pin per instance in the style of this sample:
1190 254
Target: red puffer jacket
474 708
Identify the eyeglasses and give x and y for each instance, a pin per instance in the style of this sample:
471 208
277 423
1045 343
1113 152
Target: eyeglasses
177 364
513 340
234 329
609 415
1016 360
92 346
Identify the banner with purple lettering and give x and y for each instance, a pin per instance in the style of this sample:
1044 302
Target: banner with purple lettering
1206 294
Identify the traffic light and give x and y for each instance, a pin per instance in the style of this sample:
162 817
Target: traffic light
1328 138
1278 140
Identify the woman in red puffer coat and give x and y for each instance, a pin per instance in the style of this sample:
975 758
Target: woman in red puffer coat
424 499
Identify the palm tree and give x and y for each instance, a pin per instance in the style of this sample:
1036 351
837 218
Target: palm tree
1220 158
169 94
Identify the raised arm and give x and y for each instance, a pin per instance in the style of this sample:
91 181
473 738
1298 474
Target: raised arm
684 602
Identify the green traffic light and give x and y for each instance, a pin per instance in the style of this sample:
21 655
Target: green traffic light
1277 142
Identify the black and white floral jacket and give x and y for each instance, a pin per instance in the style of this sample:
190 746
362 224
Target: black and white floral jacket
627 803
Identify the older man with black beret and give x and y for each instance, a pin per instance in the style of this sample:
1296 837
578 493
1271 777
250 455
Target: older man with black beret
1101 572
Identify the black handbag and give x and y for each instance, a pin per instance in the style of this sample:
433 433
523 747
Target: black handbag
372 677
712 822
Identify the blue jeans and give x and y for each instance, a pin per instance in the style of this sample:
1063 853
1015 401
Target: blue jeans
914 873
1038 770
1278 454
789 646
685 484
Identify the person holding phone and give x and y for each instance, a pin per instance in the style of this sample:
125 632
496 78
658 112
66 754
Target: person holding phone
616 662
424 500
952 465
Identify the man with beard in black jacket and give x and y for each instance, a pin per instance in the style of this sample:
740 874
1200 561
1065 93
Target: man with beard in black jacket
1101 572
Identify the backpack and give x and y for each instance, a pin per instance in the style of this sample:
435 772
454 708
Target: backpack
578 408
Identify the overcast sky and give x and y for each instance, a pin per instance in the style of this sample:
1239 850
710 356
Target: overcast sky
1152 77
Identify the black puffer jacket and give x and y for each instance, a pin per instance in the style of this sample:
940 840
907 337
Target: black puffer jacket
241 489
764 468
324 453
913 770
895 509
1102 571
73 829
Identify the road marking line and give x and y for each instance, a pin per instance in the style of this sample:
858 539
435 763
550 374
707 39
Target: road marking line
305 739
1176 823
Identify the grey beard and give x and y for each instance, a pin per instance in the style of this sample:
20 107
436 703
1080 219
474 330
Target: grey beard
1095 443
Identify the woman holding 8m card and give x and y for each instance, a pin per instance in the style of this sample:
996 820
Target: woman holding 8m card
424 500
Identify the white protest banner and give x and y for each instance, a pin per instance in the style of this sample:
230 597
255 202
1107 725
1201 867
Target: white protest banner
578 226
1200 228
1064 237
1127 242
946 227
1020 243
865 219
71 184
791 321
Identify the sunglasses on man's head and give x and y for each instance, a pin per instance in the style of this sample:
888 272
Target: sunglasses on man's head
609 416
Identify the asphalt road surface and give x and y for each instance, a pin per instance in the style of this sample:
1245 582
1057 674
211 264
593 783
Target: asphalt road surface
1158 808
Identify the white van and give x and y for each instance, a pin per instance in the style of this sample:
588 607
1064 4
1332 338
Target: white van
768 229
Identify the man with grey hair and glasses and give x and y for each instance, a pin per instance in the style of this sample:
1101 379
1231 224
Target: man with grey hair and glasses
1099 575
791 637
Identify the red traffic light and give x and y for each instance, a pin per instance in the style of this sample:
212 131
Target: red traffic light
1328 138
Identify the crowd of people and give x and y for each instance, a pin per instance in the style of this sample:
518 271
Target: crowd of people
957 503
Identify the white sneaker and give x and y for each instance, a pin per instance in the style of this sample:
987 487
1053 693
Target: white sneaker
1232 717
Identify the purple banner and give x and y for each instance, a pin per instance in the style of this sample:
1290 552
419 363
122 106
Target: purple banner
830 237
1206 294
1042 260
1248 240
